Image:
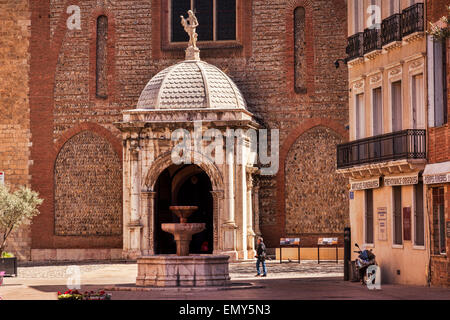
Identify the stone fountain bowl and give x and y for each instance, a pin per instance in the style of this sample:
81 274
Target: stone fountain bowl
183 212
183 229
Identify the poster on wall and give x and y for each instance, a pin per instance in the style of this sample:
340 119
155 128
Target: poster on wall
382 223
407 224
2 177
327 241
290 241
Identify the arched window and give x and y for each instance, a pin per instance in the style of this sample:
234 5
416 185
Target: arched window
299 50
101 57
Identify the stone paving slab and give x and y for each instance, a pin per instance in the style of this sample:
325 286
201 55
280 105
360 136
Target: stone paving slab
307 280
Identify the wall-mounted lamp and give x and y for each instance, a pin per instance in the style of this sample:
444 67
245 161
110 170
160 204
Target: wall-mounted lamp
336 63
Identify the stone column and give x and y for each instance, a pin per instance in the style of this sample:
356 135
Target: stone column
148 203
250 232
229 225
255 201
217 213
134 225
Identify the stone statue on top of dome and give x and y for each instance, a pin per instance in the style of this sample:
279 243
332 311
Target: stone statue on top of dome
189 25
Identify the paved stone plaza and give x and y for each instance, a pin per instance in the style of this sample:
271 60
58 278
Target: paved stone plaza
307 280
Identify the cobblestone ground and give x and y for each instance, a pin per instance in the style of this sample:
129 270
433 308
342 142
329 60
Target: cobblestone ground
307 280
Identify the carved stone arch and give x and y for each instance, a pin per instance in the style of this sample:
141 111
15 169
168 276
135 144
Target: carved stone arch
310 178
165 160
217 182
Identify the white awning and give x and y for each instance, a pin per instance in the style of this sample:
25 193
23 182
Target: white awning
437 173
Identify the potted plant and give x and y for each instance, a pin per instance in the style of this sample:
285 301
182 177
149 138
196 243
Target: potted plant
70 295
100 295
76 295
15 208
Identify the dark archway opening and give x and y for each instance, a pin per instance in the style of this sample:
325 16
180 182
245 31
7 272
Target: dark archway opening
183 185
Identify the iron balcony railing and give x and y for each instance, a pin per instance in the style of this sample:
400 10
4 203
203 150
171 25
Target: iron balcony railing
412 19
391 29
355 46
406 144
372 40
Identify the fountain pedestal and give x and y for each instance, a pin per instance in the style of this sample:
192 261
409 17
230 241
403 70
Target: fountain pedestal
182 269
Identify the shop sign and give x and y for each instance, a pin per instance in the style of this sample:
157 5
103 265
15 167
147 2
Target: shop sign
366 184
401 180
382 223
436 178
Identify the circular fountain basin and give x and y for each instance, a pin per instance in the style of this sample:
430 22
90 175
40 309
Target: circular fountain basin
182 233
183 229
183 212
187 271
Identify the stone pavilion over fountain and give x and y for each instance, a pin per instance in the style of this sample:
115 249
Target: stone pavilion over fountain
189 95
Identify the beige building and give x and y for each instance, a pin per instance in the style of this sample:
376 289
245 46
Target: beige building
387 150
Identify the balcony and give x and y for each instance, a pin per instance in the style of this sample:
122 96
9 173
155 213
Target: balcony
372 40
412 20
355 46
391 30
402 145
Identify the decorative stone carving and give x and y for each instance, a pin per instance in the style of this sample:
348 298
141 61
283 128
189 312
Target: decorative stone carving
416 64
395 71
375 78
190 25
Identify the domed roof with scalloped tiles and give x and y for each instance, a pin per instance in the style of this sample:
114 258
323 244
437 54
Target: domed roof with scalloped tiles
191 84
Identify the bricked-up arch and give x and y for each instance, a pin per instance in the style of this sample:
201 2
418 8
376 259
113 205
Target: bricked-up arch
277 229
88 187
315 195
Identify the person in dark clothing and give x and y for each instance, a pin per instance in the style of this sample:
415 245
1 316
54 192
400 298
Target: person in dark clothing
261 257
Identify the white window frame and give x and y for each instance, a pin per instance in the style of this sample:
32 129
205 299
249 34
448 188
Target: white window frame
357 119
392 79
395 8
413 222
368 244
372 109
421 125
358 16
394 245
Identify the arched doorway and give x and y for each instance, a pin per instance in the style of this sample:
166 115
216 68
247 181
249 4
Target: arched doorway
183 185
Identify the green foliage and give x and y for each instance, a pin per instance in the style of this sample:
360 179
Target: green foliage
7 255
16 208
441 30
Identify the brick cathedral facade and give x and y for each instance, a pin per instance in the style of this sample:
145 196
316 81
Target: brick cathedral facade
63 88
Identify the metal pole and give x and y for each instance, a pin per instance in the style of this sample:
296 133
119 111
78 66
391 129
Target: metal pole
347 256
336 253
318 254
280 254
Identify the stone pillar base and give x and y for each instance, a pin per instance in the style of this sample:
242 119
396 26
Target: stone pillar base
183 271
232 254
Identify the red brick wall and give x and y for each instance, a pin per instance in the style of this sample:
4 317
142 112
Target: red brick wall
62 83
14 113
